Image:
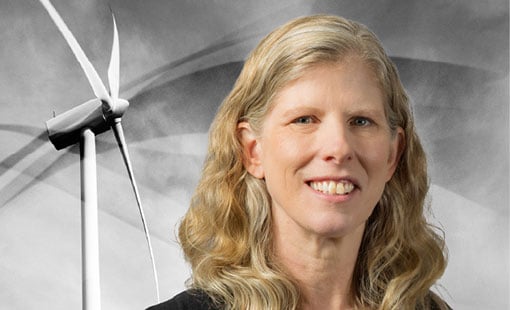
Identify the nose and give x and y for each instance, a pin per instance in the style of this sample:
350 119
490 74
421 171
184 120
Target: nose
336 142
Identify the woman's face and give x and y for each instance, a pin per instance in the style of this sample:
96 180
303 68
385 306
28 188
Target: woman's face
325 149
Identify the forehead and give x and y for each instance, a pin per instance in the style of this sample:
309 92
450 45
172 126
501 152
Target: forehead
350 78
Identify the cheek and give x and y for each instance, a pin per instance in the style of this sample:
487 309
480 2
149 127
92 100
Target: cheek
283 156
378 158
286 149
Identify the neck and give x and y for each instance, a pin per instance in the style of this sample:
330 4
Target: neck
322 266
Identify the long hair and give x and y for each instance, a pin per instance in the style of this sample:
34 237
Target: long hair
226 233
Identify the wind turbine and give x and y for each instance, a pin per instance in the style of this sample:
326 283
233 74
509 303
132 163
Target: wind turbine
80 125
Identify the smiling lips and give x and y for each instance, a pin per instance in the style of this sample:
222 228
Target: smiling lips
332 187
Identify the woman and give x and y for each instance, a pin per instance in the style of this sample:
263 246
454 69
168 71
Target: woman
313 188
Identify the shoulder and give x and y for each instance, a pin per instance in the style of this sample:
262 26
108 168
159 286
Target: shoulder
190 299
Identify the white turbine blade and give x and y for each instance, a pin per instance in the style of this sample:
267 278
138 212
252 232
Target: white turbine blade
113 68
94 79
121 141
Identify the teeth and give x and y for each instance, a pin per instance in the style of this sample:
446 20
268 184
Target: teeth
332 187
340 189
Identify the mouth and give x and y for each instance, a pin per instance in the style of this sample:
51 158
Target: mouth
330 187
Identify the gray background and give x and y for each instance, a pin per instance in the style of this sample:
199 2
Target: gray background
178 60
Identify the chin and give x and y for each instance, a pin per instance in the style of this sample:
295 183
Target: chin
336 229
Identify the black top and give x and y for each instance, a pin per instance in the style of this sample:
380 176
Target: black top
187 300
197 300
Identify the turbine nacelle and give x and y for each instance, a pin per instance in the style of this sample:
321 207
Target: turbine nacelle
96 114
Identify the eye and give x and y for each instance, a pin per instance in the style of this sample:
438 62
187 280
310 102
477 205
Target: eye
304 120
361 122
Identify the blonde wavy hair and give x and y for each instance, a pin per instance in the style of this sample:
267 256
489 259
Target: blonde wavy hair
226 233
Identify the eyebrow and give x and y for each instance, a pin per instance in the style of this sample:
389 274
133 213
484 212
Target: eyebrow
304 107
365 110
299 110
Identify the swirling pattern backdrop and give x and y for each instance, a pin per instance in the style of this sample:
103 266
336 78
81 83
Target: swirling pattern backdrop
178 60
